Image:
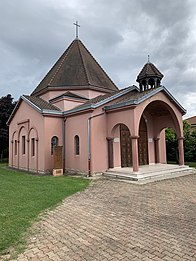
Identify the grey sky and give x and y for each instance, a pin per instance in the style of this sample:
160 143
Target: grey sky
119 34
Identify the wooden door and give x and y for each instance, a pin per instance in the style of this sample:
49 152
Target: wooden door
143 143
126 148
110 153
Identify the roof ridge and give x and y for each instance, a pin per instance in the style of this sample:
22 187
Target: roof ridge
59 67
98 66
76 67
85 70
155 69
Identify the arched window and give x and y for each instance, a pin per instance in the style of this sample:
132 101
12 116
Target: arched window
151 82
77 145
54 143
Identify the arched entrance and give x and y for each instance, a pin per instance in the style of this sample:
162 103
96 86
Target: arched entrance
159 115
143 143
126 148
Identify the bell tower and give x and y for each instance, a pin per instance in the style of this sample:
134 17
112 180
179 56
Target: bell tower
149 77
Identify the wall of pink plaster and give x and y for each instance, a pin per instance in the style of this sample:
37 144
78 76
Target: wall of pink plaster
99 161
175 121
162 148
85 93
116 146
88 93
52 127
150 128
76 125
67 104
51 94
31 127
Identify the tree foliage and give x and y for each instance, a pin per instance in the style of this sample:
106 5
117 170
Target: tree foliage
189 143
6 107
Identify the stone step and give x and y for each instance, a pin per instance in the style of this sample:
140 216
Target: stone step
150 169
150 175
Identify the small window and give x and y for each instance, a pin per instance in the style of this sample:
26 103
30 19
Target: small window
15 147
54 143
23 144
33 147
77 145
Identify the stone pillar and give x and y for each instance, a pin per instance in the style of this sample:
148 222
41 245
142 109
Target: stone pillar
181 150
156 147
134 143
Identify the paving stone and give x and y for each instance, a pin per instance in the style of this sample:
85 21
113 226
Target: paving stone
114 220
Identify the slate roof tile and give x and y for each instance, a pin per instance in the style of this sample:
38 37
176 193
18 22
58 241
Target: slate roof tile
149 70
76 68
41 104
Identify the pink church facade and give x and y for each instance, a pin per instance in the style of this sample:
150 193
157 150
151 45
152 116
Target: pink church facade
78 107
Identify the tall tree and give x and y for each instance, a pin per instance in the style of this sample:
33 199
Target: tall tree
189 144
6 107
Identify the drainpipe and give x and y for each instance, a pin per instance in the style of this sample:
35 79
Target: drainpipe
63 141
89 141
28 154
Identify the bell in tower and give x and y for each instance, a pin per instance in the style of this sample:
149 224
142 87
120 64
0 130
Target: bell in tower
149 77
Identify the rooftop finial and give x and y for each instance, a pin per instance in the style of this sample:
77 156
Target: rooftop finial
148 58
77 25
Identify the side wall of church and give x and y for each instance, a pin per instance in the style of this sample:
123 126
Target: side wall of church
26 139
99 146
76 130
52 128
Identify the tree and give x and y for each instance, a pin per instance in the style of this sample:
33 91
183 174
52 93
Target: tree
189 144
171 145
6 107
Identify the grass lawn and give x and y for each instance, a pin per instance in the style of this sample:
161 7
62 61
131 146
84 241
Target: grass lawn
23 197
190 164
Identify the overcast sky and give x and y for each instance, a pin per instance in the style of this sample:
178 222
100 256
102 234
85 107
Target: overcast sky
118 33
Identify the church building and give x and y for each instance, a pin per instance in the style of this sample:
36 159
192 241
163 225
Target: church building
98 126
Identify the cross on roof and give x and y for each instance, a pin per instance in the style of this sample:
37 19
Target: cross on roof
77 25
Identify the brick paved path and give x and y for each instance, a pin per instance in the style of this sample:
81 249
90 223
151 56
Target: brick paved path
113 220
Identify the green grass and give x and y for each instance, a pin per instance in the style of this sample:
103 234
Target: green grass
24 196
190 164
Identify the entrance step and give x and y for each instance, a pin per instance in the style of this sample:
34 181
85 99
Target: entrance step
149 173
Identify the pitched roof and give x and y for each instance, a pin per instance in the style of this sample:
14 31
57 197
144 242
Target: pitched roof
149 70
76 68
102 99
37 103
191 120
135 98
69 95
41 104
130 96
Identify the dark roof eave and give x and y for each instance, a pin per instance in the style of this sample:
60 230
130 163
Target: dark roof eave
142 99
79 110
42 111
121 105
51 113
71 87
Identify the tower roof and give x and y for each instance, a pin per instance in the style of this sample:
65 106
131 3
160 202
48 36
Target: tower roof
149 70
76 68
